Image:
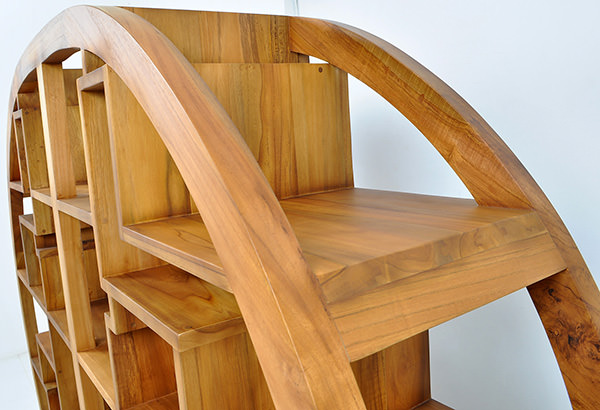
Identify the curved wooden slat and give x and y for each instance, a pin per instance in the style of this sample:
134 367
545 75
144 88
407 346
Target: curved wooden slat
568 303
275 289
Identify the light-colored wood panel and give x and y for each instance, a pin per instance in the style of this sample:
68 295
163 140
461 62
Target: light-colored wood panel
184 310
209 37
294 118
32 262
45 347
96 363
65 371
168 402
28 312
144 192
55 120
52 282
35 147
406 307
220 376
143 368
396 377
90 61
14 173
42 215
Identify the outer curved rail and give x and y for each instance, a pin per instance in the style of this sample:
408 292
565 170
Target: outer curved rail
275 289
568 303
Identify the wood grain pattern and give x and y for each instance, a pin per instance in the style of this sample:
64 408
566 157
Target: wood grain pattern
96 363
396 377
209 37
142 365
65 373
220 375
20 147
56 135
490 171
294 118
185 311
35 147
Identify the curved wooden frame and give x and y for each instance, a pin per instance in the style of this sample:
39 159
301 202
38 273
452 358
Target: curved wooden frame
277 293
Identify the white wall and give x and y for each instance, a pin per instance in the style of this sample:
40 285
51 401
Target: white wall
530 68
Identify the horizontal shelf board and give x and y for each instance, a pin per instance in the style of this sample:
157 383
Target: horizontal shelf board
42 195
432 405
79 206
43 340
93 81
96 364
184 310
27 221
168 402
16 186
355 240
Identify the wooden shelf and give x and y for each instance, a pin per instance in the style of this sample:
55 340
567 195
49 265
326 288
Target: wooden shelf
36 291
45 345
168 402
35 363
96 364
432 405
355 239
27 221
16 186
184 310
78 207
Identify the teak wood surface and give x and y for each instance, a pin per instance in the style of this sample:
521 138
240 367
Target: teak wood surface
291 288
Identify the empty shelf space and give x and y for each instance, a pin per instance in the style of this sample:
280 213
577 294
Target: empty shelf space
184 310
43 340
355 239
96 364
168 402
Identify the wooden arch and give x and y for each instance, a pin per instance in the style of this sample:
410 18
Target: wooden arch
281 302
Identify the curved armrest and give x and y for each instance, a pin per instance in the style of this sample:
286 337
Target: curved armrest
277 293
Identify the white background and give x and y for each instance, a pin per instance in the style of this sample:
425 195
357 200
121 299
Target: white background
529 68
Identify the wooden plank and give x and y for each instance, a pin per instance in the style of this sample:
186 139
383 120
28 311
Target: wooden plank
142 366
56 132
120 320
209 37
114 255
294 118
42 215
432 405
13 159
406 307
184 310
29 320
396 377
32 263
144 193
79 206
220 376
33 133
68 235
351 244
96 363
52 282
65 373
16 210
40 390
22 158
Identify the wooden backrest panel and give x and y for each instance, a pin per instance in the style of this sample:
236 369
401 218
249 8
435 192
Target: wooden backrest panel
211 37
294 118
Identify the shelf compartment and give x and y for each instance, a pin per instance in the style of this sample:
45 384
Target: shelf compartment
96 363
20 146
184 310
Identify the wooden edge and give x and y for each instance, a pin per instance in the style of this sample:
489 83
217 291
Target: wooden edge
17 115
42 196
93 81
